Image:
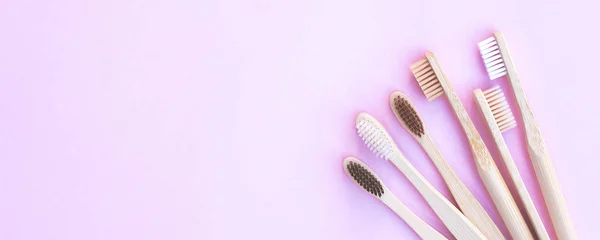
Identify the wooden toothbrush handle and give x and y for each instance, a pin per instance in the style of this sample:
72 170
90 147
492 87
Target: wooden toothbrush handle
538 153
532 212
557 207
424 230
544 171
456 222
467 203
492 179
483 160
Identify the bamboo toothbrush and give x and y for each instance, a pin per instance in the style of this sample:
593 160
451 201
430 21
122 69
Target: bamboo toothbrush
408 116
499 118
380 142
363 176
498 63
433 82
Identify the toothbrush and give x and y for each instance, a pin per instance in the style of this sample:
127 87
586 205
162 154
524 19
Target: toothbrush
408 116
498 63
499 118
364 177
380 142
433 82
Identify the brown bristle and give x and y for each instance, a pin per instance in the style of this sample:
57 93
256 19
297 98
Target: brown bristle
427 79
409 116
365 178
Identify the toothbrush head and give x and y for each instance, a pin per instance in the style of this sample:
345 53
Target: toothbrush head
363 176
407 114
375 136
492 57
503 116
427 78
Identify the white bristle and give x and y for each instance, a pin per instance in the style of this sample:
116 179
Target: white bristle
375 136
505 120
487 41
427 79
492 58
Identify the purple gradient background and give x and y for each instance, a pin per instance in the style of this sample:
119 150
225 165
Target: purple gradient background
131 119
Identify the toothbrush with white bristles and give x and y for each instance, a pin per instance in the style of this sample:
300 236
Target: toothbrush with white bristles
380 142
498 63
499 118
434 83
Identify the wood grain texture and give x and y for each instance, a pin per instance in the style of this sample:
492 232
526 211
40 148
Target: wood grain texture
467 203
455 221
424 230
538 152
530 209
486 167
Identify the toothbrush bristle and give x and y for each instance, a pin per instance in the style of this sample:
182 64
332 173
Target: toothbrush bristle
505 120
428 81
364 177
409 115
492 58
375 136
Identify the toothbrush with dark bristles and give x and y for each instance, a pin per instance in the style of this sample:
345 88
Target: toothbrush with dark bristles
376 137
364 177
407 115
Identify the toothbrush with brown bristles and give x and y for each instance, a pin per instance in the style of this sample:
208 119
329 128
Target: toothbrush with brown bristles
498 63
499 118
379 141
410 119
364 177
433 82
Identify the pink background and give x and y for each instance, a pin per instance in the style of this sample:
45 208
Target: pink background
187 119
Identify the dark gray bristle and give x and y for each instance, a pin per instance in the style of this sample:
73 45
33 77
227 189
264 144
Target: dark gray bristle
409 116
365 178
